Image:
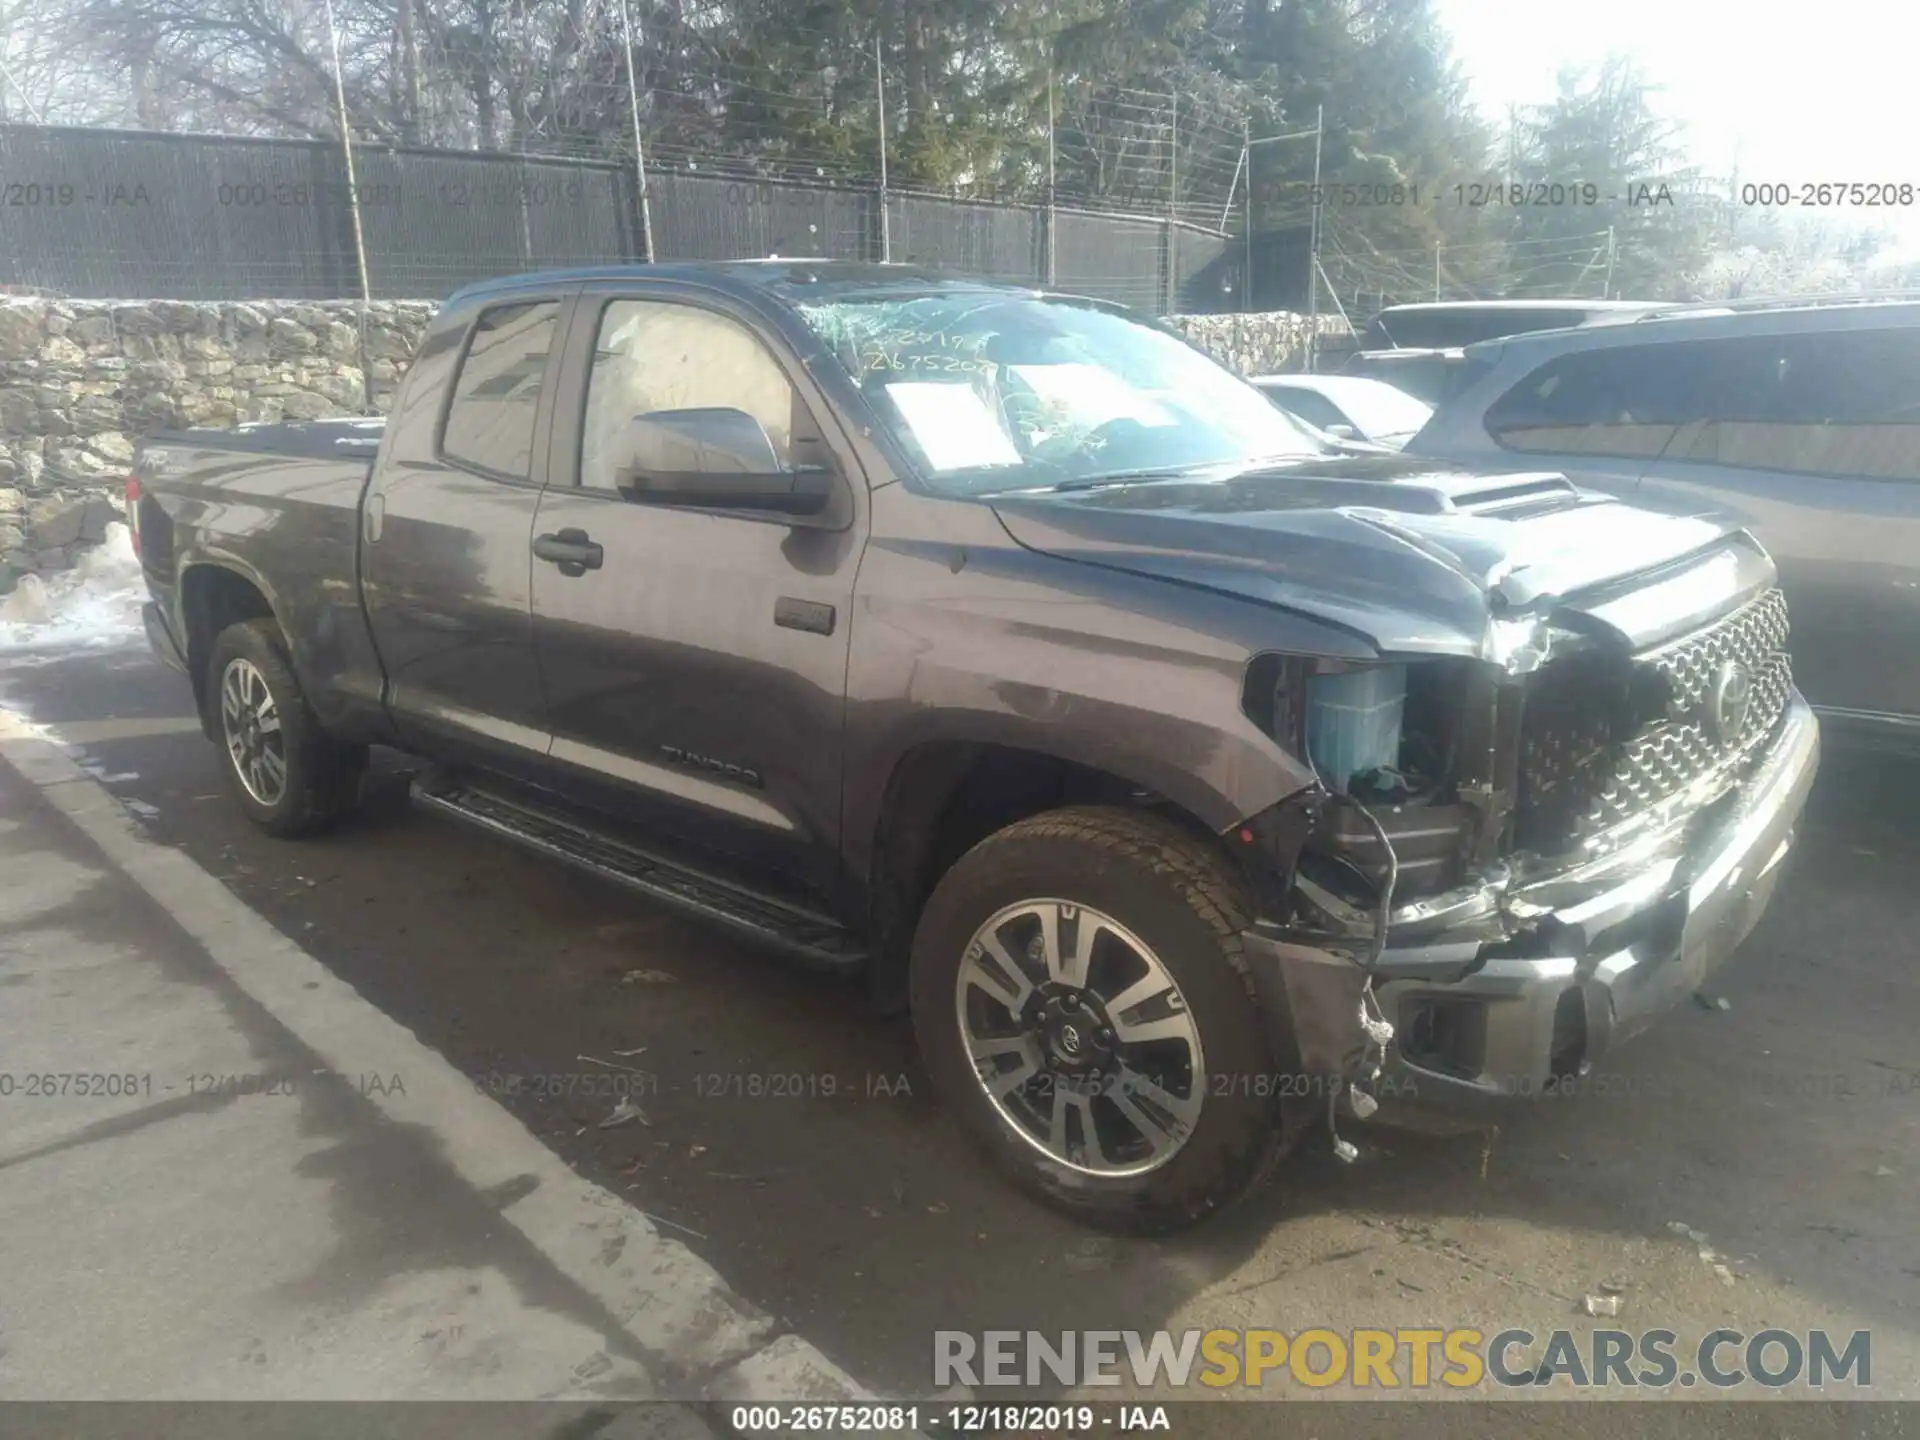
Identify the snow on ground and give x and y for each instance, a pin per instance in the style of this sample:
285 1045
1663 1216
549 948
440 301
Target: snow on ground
95 604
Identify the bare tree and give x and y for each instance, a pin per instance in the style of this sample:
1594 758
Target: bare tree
45 78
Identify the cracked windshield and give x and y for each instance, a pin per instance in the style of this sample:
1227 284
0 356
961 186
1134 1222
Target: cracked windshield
999 393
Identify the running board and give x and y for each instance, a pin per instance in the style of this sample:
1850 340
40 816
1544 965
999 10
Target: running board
815 939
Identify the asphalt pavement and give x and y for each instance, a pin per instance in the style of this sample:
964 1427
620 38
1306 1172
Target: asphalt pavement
1746 1166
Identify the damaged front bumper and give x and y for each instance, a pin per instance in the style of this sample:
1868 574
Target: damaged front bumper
1495 993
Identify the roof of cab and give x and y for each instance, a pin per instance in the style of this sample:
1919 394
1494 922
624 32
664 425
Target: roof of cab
787 279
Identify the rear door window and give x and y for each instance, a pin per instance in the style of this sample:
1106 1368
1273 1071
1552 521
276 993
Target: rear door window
496 393
1844 403
1627 400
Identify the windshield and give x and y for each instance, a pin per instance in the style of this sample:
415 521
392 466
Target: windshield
1384 410
1005 392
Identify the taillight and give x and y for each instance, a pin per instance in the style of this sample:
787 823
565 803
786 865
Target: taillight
133 512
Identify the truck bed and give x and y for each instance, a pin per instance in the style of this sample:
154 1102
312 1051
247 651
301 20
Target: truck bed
278 505
334 439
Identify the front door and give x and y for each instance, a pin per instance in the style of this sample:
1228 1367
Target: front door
695 670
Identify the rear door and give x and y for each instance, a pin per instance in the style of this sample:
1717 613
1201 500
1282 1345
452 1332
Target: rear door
696 675
1812 441
446 532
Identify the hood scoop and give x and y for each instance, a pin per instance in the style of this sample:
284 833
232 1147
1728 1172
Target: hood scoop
1516 496
1424 492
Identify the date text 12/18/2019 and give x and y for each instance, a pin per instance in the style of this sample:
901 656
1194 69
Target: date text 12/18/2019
948 1419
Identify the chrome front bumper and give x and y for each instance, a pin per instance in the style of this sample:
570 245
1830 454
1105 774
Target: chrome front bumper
1600 951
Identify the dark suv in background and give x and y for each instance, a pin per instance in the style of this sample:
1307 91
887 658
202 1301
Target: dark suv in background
1432 377
1798 419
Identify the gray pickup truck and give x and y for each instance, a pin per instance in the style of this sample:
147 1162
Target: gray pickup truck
1192 785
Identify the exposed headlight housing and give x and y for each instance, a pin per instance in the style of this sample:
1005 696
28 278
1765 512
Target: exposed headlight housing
1354 722
1387 735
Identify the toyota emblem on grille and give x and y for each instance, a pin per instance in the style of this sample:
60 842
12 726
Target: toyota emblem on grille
1732 698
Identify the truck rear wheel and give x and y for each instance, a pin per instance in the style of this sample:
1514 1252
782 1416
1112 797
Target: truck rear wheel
1081 999
290 777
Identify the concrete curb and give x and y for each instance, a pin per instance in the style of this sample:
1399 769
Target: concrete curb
708 1342
788 1369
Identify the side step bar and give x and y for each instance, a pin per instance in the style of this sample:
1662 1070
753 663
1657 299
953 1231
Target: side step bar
816 940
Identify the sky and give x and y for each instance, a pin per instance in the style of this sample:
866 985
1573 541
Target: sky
1820 92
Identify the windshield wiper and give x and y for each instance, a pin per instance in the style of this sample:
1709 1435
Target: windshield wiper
1205 474
1098 482
1276 462
1127 477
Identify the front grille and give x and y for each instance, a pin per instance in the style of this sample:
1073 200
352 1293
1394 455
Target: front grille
1604 738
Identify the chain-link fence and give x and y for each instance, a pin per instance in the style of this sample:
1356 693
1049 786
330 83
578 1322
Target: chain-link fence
480 140
100 213
119 213
1018 142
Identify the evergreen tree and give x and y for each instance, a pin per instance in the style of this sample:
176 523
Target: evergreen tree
1603 132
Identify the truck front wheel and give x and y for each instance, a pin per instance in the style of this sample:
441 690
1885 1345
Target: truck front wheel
1081 999
290 777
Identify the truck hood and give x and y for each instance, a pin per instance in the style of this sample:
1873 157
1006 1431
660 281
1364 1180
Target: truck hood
1414 556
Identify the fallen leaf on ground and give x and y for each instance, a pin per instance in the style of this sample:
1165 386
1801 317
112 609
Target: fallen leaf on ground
623 1112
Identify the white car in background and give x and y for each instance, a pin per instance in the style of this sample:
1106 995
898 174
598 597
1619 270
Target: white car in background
1348 407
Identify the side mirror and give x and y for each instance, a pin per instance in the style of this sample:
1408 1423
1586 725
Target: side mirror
1343 432
716 457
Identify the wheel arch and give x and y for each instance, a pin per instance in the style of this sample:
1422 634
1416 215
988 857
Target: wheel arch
944 796
213 595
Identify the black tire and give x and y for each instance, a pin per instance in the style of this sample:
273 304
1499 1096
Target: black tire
1171 891
322 774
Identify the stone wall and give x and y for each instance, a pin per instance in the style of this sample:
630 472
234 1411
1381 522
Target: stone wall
82 382
1269 343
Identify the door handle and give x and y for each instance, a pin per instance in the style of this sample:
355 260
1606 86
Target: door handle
571 550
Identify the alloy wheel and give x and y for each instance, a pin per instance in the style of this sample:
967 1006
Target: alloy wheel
250 721
1080 1038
